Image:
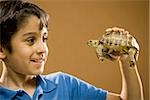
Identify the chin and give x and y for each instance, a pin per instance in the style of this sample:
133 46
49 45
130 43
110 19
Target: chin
37 72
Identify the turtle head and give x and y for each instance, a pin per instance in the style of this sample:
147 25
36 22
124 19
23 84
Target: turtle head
93 43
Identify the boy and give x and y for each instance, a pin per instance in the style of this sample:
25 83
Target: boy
23 51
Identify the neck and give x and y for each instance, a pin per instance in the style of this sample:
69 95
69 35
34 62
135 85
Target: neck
13 80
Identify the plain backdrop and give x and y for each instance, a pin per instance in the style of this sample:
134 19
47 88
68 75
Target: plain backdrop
73 22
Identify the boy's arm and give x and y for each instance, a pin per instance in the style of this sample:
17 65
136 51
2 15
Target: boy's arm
131 82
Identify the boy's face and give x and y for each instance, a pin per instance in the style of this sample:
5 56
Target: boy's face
29 48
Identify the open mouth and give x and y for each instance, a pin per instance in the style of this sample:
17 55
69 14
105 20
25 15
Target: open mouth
38 61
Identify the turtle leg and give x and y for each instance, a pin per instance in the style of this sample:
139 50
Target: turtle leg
99 52
132 52
108 56
108 53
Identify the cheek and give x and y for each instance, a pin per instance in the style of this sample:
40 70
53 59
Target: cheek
47 52
20 48
22 52
46 49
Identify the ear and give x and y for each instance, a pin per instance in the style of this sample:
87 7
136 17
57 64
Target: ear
2 53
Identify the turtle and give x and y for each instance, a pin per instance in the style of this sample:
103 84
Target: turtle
116 41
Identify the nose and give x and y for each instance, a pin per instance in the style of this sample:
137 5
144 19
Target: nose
42 48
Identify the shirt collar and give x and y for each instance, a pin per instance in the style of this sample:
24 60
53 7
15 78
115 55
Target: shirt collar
44 84
6 93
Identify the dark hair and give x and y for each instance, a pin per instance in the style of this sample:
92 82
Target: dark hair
12 15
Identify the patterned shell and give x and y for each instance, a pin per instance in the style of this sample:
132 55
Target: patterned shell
121 39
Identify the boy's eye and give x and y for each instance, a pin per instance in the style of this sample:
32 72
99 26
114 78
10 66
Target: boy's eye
30 40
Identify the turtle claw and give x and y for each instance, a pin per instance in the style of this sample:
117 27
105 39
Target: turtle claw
101 59
132 63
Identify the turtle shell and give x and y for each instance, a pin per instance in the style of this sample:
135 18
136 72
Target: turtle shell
119 40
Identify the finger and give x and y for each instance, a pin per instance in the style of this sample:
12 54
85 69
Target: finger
117 29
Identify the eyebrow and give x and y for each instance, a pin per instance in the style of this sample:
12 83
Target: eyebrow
34 33
29 33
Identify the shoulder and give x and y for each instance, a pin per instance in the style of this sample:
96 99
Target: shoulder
58 77
67 82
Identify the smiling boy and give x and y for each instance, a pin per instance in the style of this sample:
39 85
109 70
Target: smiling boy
24 51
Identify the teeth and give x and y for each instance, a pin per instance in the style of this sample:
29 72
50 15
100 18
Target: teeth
37 60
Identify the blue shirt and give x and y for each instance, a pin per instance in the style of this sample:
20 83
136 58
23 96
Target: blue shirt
56 86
